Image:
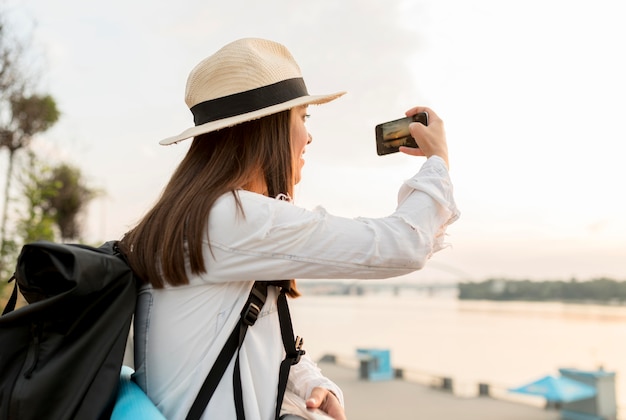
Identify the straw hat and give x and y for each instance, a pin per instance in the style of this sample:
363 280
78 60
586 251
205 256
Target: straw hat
245 80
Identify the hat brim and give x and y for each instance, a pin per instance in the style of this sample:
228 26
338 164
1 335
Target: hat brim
238 119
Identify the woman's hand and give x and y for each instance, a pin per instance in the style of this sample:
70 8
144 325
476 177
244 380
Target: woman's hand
327 402
431 139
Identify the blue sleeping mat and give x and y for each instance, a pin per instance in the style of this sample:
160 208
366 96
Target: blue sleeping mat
132 402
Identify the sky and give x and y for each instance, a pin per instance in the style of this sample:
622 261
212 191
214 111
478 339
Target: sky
532 95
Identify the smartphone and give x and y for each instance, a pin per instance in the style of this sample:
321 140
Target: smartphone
393 134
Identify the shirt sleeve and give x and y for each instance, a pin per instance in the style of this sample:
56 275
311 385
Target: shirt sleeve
269 239
306 375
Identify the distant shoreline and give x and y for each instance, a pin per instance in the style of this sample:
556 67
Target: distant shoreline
598 291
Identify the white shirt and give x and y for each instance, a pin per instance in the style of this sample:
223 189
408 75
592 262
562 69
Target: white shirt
276 240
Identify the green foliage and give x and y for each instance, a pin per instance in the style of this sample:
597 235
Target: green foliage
33 224
54 198
66 199
31 115
601 290
36 223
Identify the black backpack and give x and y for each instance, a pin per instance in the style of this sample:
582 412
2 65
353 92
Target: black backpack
61 355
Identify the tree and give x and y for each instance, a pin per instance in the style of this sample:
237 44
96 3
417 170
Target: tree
35 223
23 114
27 116
54 199
68 198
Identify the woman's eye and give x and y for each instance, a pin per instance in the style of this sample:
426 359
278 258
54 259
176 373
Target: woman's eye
306 117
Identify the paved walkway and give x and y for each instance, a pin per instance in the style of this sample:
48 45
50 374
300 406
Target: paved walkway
400 399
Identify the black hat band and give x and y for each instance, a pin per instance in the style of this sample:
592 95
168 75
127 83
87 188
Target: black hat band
248 101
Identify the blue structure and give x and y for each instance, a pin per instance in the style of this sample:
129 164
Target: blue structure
601 406
580 395
375 364
557 389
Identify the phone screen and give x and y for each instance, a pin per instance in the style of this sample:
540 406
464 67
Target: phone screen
393 134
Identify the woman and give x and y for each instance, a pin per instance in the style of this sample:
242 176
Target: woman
225 220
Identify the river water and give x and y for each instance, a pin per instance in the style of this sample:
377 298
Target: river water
503 344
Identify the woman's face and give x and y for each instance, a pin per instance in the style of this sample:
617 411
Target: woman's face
300 137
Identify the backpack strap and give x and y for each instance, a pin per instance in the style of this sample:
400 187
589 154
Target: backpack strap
248 317
293 347
13 299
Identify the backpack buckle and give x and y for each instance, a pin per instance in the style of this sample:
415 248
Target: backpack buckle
299 350
250 313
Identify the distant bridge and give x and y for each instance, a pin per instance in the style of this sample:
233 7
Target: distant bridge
362 287
395 285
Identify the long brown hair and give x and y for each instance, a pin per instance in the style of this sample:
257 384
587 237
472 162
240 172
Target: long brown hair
219 162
